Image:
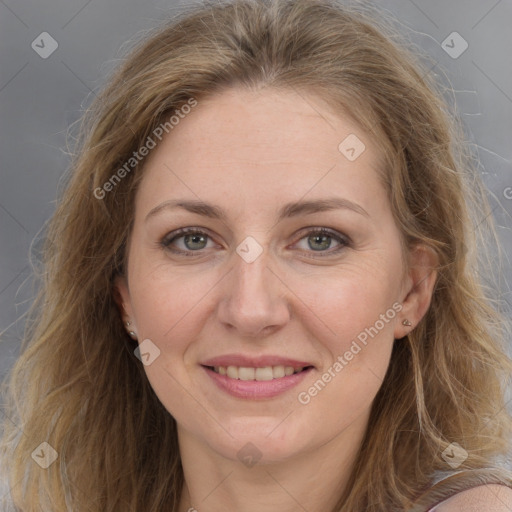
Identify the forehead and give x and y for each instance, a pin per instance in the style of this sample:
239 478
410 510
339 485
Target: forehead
261 146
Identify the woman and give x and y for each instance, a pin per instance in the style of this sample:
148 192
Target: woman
260 290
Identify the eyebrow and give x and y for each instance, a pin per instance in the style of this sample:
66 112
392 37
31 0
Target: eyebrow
289 210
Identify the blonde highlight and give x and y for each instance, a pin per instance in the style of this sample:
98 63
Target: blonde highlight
77 383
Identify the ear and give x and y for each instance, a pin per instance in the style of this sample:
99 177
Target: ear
418 288
122 299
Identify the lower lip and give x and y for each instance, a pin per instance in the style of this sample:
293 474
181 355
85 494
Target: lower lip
256 389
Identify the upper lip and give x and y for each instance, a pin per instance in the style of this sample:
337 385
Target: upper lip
254 362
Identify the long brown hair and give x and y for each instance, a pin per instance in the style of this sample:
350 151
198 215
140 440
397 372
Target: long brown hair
78 384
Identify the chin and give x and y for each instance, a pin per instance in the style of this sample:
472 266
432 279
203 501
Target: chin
265 439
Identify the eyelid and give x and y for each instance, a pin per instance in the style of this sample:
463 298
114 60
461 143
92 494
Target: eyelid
327 231
169 237
179 233
343 239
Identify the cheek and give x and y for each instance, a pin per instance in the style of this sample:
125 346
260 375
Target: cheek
353 319
170 312
352 313
165 305
348 299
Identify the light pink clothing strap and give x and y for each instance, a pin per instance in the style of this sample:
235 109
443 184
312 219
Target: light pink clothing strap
456 483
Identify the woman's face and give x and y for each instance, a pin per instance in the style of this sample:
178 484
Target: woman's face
256 287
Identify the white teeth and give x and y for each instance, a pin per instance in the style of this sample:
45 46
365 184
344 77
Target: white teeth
232 372
265 373
278 371
246 373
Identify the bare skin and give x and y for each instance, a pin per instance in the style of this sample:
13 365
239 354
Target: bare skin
250 153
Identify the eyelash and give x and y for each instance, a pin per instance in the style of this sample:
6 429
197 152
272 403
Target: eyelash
179 233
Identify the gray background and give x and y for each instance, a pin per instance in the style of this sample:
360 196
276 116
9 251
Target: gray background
41 97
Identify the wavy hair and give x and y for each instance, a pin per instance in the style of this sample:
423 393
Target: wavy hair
78 385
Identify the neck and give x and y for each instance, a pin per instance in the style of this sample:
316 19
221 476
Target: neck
312 480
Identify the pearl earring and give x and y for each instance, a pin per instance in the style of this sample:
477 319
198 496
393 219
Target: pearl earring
133 334
406 323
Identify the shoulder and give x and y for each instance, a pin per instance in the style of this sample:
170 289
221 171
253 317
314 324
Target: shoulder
484 498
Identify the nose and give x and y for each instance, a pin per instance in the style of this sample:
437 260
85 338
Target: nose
254 299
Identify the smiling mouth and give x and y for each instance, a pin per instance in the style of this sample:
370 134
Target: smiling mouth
257 374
